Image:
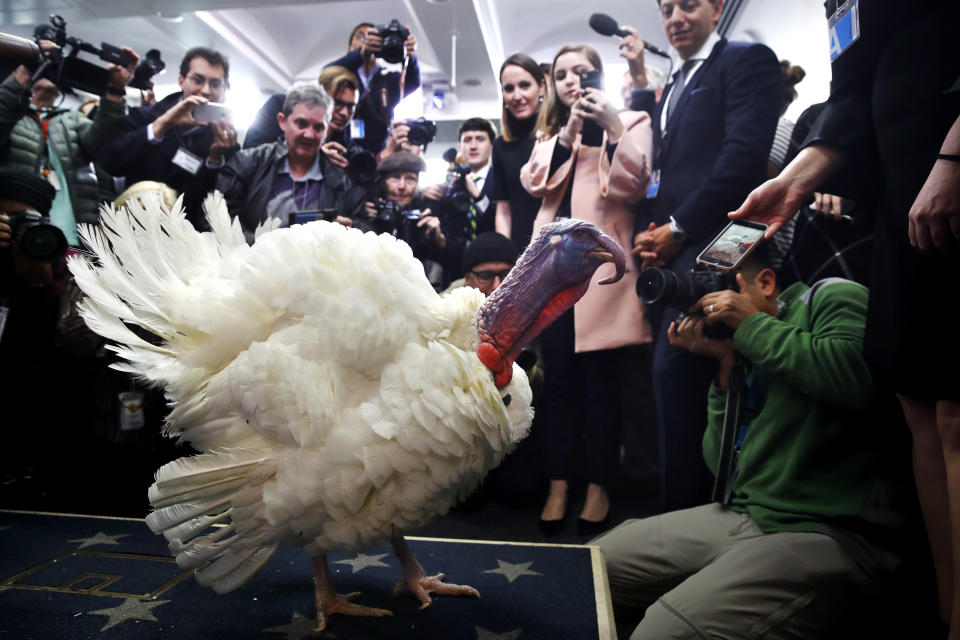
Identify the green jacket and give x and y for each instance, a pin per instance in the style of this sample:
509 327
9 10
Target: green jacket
75 139
816 457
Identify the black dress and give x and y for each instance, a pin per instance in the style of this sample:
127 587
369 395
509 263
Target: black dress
507 159
892 103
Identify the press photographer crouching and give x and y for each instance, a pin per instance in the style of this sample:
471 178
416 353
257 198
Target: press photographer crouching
403 212
28 317
812 482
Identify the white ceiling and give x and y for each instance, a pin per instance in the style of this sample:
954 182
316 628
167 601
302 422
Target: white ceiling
272 46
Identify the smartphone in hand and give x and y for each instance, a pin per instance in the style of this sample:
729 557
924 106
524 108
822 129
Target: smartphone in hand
734 243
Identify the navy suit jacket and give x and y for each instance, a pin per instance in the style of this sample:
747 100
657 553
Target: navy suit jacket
718 139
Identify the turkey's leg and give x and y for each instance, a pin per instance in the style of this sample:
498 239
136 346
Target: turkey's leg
330 602
420 584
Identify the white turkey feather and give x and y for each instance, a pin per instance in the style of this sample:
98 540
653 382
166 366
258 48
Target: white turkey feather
337 398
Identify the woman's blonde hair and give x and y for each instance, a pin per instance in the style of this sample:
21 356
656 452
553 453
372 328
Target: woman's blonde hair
554 114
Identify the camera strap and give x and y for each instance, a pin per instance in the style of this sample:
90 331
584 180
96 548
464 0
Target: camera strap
742 404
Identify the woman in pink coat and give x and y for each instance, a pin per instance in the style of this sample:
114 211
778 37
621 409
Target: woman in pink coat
590 162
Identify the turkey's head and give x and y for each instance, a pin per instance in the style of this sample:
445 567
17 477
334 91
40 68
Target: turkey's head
551 275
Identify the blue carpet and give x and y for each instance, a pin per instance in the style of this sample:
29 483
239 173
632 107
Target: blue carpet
83 577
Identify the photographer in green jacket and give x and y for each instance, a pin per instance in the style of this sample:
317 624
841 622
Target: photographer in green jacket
40 137
809 527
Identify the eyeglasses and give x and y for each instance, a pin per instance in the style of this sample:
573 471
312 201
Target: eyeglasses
198 81
340 104
486 277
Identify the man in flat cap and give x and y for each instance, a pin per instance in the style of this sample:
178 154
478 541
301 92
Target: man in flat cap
403 212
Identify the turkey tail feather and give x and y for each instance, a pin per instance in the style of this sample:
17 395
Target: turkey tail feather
194 495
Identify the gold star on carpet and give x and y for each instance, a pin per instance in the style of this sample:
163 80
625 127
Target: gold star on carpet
513 571
484 634
131 609
100 538
363 561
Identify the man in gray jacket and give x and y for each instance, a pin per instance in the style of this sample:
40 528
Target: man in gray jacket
289 177
58 144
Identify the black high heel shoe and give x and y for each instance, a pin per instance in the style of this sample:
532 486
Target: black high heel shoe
553 527
589 528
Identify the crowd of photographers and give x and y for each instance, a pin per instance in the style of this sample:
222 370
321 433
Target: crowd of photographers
778 398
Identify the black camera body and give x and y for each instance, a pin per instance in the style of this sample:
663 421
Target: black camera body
394 36
422 131
397 221
681 291
455 188
361 165
36 237
150 65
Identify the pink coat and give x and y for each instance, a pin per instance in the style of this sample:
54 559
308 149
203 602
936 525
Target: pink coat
608 316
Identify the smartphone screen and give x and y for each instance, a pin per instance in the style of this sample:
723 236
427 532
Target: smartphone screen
212 112
734 243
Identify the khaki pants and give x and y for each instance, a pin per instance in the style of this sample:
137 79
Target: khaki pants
708 572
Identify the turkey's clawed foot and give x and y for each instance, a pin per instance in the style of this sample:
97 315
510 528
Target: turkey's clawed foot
330 602
422 586
344 605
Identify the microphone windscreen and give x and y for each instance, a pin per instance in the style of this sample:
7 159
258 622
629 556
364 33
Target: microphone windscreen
604 24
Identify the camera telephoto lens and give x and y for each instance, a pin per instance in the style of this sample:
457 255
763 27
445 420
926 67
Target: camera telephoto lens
662 286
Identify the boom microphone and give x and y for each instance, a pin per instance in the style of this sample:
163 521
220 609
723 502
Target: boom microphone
607 26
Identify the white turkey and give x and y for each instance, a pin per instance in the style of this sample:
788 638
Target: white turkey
337 400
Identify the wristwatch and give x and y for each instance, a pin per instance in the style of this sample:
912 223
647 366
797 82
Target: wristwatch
676 231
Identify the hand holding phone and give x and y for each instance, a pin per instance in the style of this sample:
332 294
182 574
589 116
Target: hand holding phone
734 243
212 112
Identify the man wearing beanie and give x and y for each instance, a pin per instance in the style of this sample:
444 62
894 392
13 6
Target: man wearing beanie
487 261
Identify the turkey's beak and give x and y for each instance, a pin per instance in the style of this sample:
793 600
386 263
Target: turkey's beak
547 280
610 251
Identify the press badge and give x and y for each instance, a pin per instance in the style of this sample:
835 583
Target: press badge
131 410
187 161
844 28
356 129
654 187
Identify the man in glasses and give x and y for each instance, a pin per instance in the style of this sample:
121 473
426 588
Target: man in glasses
403 212
487 261
338 82
165 142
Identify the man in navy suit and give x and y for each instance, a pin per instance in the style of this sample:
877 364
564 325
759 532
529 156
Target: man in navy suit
713 129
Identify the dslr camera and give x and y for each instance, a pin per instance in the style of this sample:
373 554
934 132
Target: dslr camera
394 36
455 188
422 131
397 221
361 165
681 291
37 238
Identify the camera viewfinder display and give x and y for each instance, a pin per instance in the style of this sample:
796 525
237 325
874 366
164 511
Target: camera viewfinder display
733 244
